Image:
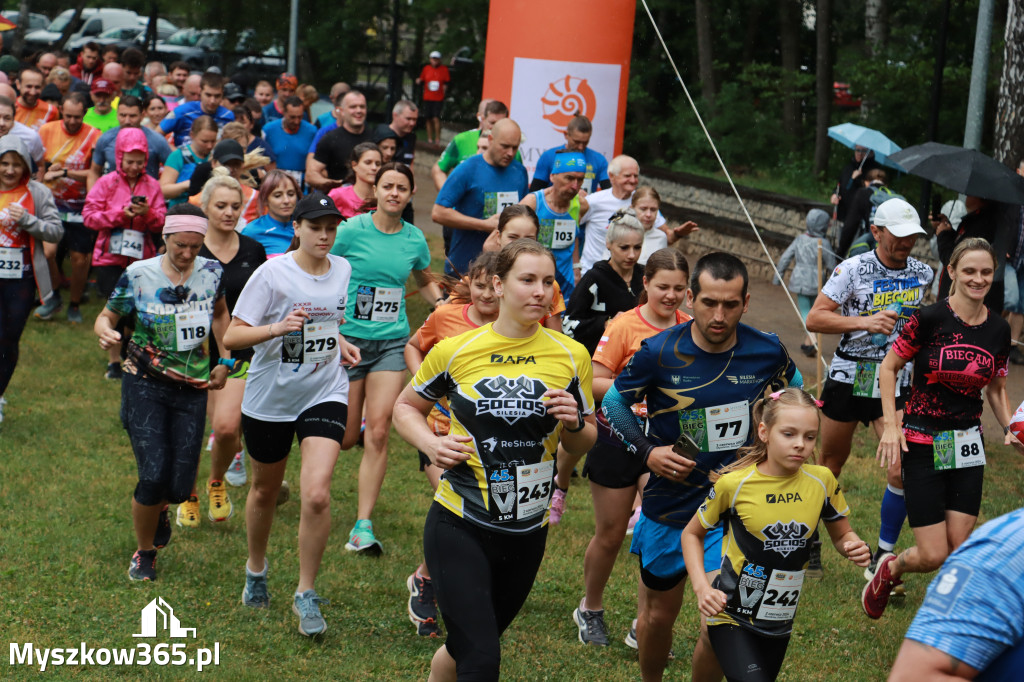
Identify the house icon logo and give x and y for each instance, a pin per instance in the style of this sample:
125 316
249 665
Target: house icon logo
158 615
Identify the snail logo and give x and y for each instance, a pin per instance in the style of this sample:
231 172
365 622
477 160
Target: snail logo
564 98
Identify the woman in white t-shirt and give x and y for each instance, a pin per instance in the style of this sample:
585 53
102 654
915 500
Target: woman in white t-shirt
289 312
646 203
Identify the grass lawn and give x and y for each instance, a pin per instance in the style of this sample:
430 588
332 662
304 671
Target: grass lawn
67 475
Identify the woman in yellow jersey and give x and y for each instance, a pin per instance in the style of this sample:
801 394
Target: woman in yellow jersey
613 474
516 390
446 321
771 501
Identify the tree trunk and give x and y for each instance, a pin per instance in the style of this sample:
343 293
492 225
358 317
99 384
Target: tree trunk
823 84
789 27
1009 134
72 25
18 43
876 26
705 53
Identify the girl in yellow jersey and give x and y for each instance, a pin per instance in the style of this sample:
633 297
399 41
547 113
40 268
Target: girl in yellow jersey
771 501
515 389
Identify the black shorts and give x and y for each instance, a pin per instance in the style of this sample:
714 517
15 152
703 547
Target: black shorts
106 278
270 442
78 237
745 655
929 494
608 463
840 405
431 109
424 460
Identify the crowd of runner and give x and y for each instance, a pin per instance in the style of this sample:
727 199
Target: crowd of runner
254 262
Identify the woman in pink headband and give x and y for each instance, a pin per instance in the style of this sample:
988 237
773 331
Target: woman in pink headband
177 300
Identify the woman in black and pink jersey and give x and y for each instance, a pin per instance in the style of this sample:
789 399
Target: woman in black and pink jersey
958 347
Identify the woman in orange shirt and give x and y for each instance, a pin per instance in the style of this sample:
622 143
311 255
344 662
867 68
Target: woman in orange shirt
613 474
450 319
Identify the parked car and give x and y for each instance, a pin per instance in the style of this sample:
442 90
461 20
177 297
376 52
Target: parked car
35 21
203 48
92 22
124 36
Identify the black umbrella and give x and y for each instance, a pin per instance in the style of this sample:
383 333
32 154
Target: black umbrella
965 170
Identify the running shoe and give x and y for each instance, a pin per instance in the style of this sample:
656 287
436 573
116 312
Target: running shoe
808 349
113 371
74 315
592 629
143 565
49 308
220 508
630 641
361 539
875 596
632 521
869 572
163 530
1016 356
422 609
307 607
814 568
188 513
236 475
255 594
210 441
284 493
3 404
557 506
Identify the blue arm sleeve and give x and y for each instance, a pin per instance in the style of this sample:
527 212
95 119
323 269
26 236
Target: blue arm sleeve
624 423
798 378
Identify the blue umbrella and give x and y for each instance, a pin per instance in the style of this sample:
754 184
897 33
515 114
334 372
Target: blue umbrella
853 135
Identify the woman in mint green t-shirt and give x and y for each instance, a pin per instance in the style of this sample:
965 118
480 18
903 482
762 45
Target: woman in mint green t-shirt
383 250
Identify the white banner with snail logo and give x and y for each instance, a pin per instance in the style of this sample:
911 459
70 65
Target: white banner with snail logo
547 93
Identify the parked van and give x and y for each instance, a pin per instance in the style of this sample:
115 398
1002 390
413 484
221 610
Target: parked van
92 22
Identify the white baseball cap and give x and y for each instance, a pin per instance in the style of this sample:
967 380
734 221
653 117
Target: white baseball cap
899 217
435 55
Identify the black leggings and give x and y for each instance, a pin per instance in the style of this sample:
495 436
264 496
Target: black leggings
746 656
17 296
481 580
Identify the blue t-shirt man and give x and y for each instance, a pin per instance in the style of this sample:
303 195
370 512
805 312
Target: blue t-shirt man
478 190
974 608
159 151
179 121
321 131
596 177
289 147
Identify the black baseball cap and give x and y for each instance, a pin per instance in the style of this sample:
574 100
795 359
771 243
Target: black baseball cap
315 205
233 92
228 150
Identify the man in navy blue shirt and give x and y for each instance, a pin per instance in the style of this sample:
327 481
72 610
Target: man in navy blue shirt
476 193
179 121
700 378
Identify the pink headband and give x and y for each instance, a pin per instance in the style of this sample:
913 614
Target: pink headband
185 223
778 394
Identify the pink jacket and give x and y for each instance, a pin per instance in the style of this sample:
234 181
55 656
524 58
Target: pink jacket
106 201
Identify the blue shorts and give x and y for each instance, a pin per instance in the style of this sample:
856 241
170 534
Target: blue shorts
661 553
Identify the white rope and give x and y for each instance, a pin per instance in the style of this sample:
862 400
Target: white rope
728 177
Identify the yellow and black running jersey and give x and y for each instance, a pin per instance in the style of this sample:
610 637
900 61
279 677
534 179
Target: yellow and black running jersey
768 524
494 385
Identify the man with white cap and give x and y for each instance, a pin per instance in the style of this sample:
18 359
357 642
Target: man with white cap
868 299
435 79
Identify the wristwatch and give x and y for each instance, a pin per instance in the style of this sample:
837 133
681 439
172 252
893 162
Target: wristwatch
227 362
